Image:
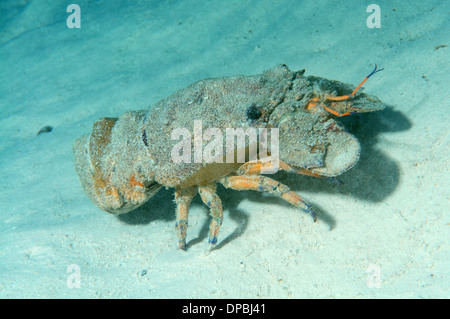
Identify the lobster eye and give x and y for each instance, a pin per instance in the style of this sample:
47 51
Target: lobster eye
253 112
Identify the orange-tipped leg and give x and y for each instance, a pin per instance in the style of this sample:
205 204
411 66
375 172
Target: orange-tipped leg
258 167
183 199
212 200
265 184
261 167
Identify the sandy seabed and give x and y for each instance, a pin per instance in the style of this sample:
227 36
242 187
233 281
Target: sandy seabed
382 233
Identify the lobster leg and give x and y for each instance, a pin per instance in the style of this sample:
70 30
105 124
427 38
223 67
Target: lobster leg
266 184
183 199
257 167
212 200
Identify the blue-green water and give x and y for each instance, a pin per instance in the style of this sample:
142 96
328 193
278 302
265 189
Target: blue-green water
382 229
